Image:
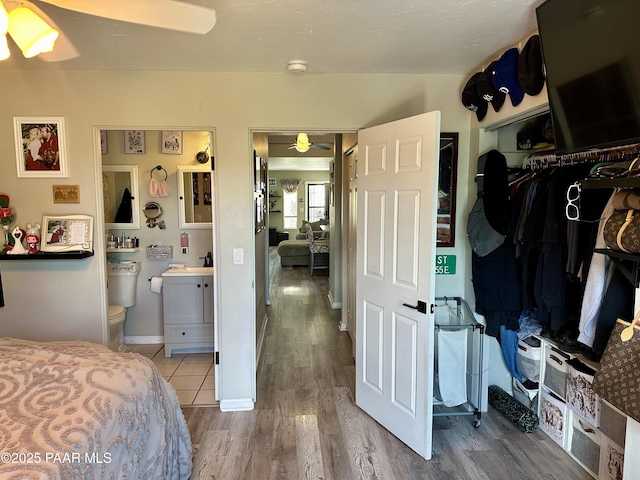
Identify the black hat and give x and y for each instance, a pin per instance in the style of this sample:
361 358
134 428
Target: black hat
531 67
505 76
487 90
470 98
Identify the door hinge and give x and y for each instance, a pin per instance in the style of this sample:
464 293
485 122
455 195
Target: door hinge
217 358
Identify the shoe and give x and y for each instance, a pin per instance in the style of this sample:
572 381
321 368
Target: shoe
567 344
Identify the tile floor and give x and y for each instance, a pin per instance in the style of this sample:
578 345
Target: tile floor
190 374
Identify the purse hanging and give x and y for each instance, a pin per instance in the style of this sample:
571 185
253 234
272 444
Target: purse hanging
618 379
622 231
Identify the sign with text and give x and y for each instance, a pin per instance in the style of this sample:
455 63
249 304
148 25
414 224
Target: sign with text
445 264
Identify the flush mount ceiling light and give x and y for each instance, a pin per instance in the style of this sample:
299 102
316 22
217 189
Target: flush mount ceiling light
297 66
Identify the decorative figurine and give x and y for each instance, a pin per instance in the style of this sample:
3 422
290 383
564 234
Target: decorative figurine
33 231
18 248
32 243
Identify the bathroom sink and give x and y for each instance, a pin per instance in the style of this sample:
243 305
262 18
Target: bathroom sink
188 272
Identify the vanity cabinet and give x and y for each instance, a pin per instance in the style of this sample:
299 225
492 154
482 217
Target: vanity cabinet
187 304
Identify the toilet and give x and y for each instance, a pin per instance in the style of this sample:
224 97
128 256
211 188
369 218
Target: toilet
122 283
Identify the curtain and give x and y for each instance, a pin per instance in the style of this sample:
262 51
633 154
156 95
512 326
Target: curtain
290 186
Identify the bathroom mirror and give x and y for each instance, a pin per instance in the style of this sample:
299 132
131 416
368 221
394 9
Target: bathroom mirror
194 196
152 210
120 194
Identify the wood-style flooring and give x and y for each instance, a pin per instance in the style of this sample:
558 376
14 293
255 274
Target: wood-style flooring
305 424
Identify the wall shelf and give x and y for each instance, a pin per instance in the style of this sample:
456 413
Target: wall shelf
123 250
50 256
610 183
627 263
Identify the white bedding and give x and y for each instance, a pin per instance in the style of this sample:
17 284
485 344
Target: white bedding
77 410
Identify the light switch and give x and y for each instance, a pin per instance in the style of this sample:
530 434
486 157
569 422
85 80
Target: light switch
238 256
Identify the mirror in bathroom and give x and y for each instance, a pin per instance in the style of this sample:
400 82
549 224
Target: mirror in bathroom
120 194
194 196
152 210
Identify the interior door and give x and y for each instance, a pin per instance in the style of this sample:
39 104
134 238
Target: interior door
396 201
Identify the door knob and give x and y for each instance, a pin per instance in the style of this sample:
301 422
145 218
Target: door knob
421 307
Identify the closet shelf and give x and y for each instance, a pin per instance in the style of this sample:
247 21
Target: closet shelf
610 183
627 263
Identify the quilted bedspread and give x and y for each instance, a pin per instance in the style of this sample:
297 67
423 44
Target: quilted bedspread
77 410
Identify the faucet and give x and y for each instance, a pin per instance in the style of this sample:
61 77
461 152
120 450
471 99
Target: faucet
208 260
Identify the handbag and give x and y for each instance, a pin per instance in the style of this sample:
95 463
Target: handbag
622 231
618 379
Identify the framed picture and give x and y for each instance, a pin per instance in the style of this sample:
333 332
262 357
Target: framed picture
272 182
134 141
447 180
172 142
103 142
67 233
66 193
40 147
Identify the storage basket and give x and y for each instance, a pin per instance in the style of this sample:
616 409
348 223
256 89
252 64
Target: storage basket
556 371
553 417
160 251
529 355
613 423
529 398
580 395
585 444
611 460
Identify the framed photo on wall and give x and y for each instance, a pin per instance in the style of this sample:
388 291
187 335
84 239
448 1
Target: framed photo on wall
67 233
40 147
134 141
172 142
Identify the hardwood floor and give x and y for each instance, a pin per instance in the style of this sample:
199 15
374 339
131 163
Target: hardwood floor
306 426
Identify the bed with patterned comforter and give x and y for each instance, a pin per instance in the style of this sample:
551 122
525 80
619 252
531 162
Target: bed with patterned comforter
77 410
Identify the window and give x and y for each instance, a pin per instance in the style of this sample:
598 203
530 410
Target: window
290 210
316 202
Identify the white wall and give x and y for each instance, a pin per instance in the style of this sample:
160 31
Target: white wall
49 300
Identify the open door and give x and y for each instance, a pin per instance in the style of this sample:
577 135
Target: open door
396 237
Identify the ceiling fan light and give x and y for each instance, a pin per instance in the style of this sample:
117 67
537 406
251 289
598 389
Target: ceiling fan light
4 19
32 34
4 48
302 143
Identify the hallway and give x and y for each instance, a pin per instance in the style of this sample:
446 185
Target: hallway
305 424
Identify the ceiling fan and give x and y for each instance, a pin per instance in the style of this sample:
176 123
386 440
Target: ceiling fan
167 14
303 144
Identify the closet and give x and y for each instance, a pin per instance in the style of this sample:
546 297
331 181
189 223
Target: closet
598 445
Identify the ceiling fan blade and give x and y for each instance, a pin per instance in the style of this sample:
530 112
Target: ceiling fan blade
320 146
63 48
168 14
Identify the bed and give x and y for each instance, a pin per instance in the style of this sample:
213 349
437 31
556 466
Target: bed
77 410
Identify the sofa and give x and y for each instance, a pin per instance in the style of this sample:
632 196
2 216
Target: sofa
295 253
318 232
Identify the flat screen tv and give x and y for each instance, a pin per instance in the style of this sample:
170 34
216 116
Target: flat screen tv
591 51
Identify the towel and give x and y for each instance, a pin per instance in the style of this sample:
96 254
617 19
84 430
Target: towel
158 188
452 366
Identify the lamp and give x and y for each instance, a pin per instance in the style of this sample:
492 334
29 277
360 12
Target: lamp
4 48
302 143
32 34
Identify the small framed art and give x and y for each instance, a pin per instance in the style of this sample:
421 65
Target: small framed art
67 233
172 142
40 147
134 141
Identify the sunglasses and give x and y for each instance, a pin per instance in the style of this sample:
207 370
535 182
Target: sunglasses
572 210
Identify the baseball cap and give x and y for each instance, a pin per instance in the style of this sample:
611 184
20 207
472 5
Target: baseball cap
470 98
505 76
531 67
487 90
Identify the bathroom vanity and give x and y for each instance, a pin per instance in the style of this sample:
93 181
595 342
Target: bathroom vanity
187 305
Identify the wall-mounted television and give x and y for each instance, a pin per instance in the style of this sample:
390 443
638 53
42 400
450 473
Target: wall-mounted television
591 51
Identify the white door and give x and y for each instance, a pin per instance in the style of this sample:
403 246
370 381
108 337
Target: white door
397 193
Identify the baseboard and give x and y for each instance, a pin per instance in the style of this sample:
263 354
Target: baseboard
334 305
240 405
143 339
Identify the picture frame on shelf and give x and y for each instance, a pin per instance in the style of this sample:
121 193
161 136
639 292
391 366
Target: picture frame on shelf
41 147
134 142
66 233
172 142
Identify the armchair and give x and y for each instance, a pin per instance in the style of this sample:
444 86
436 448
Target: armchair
316 246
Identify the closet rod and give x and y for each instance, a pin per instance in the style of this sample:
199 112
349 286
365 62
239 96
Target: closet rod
550 159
